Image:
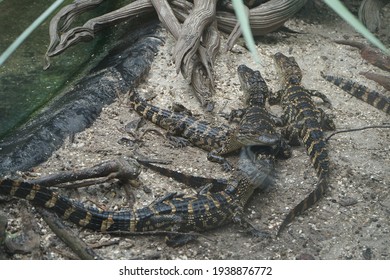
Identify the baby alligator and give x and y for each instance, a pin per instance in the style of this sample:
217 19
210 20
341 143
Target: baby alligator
257 125
255 128
255 171
305 123
255 117
199 133
176 213
361 92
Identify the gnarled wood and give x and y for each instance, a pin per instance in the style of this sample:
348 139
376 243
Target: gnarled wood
383 80
88 30
369 13
372 55
197 37
265 18
187 44
67 14
202 61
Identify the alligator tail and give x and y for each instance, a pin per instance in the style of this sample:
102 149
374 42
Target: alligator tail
306 203
361 92
75 212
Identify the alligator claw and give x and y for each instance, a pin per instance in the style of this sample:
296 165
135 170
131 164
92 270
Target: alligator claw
178 142
227 167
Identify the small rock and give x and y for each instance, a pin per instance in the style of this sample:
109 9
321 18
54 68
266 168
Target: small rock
348 201
134 125
367 254
22 242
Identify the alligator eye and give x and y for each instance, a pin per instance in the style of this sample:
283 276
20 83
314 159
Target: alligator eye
278 55
294 79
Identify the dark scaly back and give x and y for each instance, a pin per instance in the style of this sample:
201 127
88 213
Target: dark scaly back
289 71
361 92
75 212
253 171
153 113
300 109
257 161
256 126
189 180
253 86
199 133
173 212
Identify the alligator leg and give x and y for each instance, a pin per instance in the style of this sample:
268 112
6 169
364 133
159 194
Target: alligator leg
239 219
236 115
326 121
177 141
173 134
320 95
291 133
215 156
275 97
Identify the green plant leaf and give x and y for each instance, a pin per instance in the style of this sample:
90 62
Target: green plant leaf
7 53
345 14
336 5
239 9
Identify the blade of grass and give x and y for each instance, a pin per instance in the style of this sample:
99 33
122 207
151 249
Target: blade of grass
8 52
345 14
239 9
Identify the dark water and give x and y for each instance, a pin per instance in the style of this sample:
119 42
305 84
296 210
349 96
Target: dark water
24 85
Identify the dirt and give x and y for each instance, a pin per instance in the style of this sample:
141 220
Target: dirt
350 222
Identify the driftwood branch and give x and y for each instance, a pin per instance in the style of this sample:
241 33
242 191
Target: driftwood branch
202 15
263 19
123 169
369 13
62 20
370 54
194 26
198 60
92 26
78 246
383 80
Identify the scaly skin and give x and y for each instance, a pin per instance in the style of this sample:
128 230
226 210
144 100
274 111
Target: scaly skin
305 122
255 170
253 85
255 128
173 213
255 117
256 164
194 131
258 161
361 92
257 125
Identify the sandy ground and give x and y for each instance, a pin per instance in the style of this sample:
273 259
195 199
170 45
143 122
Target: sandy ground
351 222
